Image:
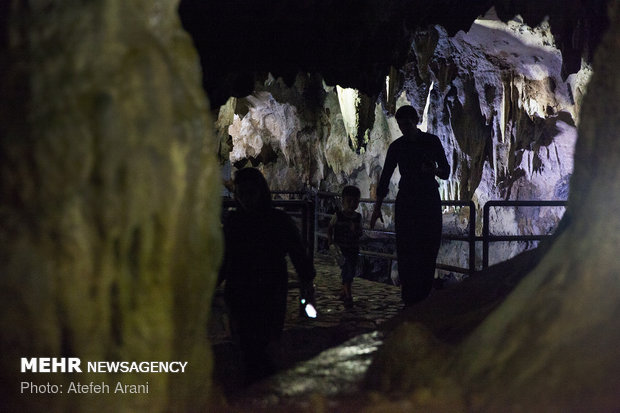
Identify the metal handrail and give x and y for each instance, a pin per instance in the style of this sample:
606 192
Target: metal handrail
470 238
488 238
310 228
307 218
471 234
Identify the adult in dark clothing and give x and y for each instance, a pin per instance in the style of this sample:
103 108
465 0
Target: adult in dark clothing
420 157
257 239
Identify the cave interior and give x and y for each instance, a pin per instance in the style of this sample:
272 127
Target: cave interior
110 154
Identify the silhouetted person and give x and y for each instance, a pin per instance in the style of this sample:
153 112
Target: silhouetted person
257 239
419 157
344 231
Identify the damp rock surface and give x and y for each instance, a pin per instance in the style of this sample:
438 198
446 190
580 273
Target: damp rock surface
328 354
360 358
110 238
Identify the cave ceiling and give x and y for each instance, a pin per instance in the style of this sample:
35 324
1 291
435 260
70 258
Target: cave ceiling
353 43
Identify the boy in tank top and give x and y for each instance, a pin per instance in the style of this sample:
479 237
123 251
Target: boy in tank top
344 232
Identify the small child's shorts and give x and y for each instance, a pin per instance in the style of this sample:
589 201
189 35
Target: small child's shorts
349 268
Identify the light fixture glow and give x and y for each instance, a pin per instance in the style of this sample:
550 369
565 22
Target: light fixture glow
309 308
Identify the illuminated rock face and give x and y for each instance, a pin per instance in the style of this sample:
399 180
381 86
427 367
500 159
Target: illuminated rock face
353 44
109 239
552 344
494 95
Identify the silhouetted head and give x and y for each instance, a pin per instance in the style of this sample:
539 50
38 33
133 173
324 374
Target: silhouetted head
251 190
351 197
407 118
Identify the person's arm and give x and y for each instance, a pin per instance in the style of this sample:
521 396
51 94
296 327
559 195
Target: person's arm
443 167
359 231
304 267
297 252
384 185
225 266
330 230
376 212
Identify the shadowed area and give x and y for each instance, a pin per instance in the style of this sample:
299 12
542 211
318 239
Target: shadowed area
331 355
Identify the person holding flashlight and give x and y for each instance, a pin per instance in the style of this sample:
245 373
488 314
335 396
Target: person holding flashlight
257 239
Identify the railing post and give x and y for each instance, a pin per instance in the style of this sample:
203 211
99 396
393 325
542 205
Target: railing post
472 238
304 225
316 222
485 235
487 238
310 213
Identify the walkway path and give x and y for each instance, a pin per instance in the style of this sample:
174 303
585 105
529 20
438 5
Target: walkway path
326 355
329 356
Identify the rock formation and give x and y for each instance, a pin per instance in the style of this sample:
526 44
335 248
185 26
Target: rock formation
494 95
552 345
353 43
110 238
109 218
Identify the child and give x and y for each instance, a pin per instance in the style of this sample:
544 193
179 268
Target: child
345 230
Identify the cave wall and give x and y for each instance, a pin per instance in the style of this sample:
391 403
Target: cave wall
110 231
109 236
552 344
354 43
495 96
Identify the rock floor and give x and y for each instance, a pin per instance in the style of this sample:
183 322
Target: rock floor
327 355
324 360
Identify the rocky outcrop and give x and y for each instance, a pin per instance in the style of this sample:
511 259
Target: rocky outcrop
494 95
354 44
109 236
109 227
552 345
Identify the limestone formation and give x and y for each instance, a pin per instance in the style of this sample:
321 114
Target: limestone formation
552 345
493 94
557 331
354 44
108 230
